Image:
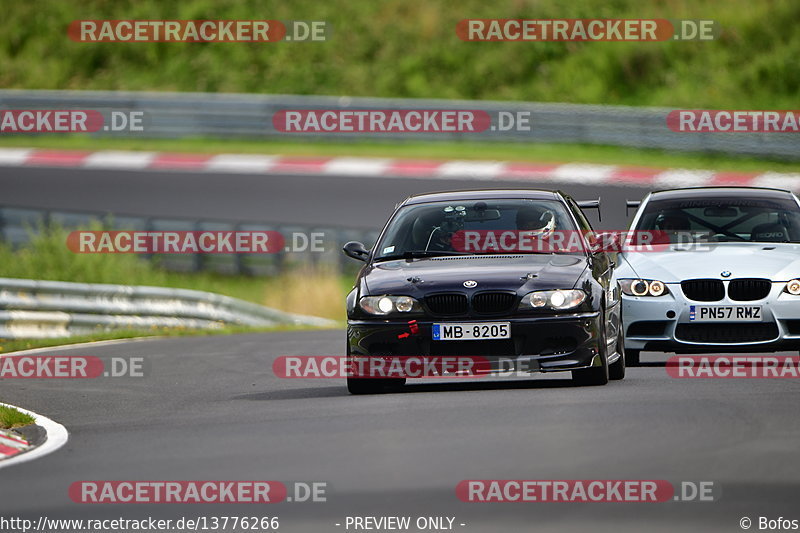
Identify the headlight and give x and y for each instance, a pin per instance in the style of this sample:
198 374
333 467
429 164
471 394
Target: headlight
793 287
643 287
384 305
559 300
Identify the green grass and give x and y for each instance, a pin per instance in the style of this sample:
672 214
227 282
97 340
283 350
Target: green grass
409 48
11 418
522 152
47 257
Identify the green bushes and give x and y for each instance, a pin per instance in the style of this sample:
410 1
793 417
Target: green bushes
408 48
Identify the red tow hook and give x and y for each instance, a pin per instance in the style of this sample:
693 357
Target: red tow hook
413 329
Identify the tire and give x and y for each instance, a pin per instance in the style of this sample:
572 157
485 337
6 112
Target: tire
632 357
616 371
596 375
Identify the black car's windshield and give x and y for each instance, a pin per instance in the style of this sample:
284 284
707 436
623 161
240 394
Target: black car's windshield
475 227
721 219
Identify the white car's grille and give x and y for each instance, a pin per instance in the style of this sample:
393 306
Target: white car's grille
703 290
747 290
739 290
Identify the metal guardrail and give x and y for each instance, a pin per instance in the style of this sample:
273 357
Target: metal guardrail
18 225
46 309
174 115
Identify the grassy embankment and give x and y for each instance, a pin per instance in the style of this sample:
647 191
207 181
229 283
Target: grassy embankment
47 257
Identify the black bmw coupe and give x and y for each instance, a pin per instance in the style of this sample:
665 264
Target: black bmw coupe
512 277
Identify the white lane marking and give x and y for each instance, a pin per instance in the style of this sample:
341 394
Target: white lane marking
119 159
357 166
478 170
241 163
582 173
57 436
681 177
81 345
777 180
14 156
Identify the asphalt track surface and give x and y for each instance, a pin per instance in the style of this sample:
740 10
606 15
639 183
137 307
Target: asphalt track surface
357 202
210 408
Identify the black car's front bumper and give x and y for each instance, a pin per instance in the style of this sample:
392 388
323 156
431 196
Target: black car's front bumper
537 344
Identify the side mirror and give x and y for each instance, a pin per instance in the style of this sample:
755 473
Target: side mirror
355 250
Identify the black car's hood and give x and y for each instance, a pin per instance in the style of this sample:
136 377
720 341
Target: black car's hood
505 272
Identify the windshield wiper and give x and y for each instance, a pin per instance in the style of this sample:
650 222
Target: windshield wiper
415 254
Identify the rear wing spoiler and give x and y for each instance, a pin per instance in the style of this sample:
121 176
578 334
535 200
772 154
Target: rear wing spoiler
631 204
591 204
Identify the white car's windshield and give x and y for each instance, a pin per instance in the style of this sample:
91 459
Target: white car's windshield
721 219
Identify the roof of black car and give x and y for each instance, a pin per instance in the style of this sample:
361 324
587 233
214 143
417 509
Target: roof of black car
482 194
711 192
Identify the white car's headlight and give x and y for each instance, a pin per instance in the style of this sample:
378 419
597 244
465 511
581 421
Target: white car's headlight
560 299
643 287
387 304
793 287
